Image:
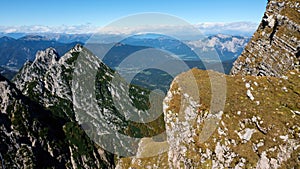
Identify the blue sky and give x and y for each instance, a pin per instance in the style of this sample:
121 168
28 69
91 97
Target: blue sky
102 12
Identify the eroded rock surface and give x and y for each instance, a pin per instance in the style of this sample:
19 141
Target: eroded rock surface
245 133
275 47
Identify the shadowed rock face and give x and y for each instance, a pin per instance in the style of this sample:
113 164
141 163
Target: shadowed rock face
275 46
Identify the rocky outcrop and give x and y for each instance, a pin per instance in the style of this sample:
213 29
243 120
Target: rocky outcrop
257 126
261 131
48 76
275 47
59 84
38 124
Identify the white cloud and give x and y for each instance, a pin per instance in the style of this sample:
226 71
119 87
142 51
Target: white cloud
77 29
205 28
228 28
10 30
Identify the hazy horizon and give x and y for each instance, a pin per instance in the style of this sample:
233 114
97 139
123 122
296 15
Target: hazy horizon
86 17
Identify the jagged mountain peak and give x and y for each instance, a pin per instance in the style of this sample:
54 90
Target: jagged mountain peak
50 86
42 110
77 48
48 56
46 72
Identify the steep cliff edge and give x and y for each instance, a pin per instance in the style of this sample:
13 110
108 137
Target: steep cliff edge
257 125
59 85
275 47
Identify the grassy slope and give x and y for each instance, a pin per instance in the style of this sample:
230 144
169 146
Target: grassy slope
274 110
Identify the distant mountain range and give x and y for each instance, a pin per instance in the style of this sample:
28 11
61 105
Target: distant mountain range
205 53
60 37
15 52
226 47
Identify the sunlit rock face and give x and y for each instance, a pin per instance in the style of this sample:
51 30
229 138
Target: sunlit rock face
258 126
254 131
274 49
